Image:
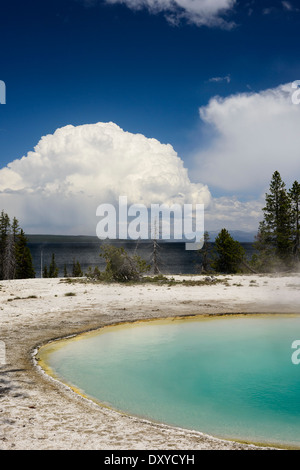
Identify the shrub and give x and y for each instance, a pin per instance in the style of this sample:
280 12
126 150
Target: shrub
121 267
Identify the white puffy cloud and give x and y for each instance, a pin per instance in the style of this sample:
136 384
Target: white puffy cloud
255 134
230 213
57 187
199 12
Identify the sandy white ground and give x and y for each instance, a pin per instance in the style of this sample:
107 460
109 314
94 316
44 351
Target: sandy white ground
37 412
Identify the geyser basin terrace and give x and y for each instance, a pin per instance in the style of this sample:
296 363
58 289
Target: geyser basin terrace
40 413
231 377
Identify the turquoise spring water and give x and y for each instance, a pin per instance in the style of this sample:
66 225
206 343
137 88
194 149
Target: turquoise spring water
231 377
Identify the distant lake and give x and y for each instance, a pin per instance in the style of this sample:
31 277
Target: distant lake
172 256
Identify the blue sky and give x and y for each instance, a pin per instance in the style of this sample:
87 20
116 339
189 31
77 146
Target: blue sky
149 71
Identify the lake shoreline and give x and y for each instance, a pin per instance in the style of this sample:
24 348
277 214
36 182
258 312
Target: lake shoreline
37 412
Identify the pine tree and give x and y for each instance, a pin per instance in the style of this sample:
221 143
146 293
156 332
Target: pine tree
76 270
4 232
45 271
277 216
10 261
274 239
295 216
230 253
24 265
15 256
15 229
53 269
264 259
65 271
205 254
9 265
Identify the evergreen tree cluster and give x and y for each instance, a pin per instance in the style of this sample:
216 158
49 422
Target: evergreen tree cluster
53 271
225 256
230 254
277 245
277 242
15 256
278 238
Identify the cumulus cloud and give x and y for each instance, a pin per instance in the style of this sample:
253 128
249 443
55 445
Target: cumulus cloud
57 187
254 135
230 213
199 12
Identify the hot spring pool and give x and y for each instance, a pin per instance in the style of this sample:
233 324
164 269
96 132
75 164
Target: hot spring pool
231 377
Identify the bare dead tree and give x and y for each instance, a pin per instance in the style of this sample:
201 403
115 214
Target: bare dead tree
9 265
